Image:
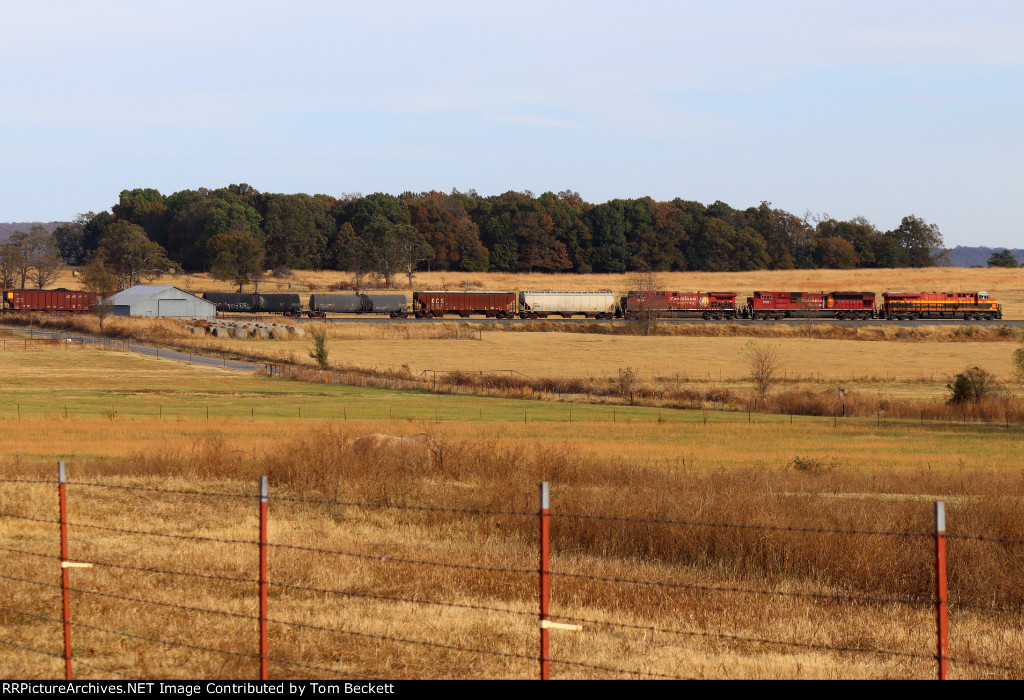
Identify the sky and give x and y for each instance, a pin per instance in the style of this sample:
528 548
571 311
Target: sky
872 109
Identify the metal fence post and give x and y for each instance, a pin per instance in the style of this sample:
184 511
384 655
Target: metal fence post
941 591
545 584
65 583
264 671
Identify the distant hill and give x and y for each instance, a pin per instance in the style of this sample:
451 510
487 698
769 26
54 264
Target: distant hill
971 256
7 229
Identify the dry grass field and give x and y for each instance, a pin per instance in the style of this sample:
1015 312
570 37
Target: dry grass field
406 593
1005 285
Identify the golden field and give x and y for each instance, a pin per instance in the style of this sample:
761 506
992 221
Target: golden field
403 594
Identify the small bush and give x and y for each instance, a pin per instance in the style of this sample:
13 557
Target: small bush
811 465
972 385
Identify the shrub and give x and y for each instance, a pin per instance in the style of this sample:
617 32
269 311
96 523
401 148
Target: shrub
972 385
811 465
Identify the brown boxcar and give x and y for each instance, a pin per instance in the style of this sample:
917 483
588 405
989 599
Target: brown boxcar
667 304
50 300
841 305
465 304
970 306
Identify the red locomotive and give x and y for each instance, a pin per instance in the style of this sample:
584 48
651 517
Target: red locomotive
840 305
666 304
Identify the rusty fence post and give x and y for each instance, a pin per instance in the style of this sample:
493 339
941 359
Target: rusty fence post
264 671
65 584
941 591
545 584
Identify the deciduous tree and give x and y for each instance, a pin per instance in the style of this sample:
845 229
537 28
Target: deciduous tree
1002 258
131 256
237 257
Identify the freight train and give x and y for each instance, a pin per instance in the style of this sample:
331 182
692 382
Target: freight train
48 300
763 305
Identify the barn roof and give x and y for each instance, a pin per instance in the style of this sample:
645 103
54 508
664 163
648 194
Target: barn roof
140 292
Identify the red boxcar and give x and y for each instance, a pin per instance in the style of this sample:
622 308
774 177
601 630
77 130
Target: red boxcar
842 305
666 304
970 306
50 300
465 304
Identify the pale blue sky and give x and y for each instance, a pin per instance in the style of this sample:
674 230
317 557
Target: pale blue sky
874 109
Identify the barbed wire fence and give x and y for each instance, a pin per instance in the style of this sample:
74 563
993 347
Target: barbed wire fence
259 656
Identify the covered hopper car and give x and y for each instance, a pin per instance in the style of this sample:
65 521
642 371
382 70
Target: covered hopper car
567 304
840 305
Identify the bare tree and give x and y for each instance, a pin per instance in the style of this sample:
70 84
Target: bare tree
763 366
102 282
645 314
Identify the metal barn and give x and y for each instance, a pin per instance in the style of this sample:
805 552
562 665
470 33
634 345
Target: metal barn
160 301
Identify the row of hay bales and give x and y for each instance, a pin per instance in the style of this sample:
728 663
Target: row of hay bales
248 330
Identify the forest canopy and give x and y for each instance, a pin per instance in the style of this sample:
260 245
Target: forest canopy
221 230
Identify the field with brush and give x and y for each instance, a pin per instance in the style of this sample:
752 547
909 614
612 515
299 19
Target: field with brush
677 577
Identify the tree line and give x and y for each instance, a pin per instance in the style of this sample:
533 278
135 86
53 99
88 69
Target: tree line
236 232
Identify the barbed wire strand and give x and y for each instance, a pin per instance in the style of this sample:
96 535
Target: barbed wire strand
79 662
400 560
984 538
308 667
741 526
984 664
170 572
747 591
130 635
150 533
15 516
738 638
175 492
399 506
130 599
31 649
395 599
29 553
623 671
400 640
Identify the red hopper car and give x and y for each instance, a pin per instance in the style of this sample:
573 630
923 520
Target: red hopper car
50 300
465 304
